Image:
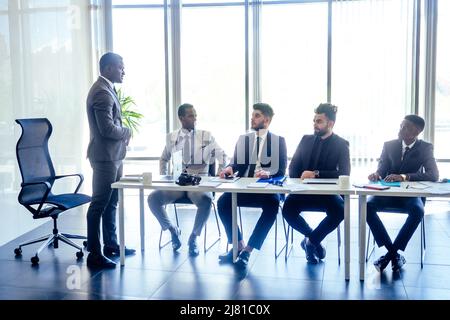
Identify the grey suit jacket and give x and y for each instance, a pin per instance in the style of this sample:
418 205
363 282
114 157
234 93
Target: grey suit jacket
108 139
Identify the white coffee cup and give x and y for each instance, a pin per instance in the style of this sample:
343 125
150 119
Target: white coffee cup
147 178
344 182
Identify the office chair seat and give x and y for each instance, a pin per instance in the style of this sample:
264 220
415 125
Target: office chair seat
68 200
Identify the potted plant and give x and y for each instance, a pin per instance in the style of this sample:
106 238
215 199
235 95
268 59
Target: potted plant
130 117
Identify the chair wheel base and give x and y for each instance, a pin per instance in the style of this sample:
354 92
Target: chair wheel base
79 254
18 252
35 260
85 243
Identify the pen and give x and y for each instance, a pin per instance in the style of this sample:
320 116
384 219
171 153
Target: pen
407 186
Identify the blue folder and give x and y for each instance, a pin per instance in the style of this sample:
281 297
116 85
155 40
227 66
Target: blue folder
278 181
389 184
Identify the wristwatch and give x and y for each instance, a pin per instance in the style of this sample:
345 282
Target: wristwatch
316 173
404 177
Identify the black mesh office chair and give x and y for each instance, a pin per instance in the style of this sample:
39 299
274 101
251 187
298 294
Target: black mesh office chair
186 200
38 177
423 245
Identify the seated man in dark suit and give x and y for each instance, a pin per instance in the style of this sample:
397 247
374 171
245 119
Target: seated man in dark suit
259 154
322 155
404 159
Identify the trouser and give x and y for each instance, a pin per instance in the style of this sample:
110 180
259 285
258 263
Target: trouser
332 205
414 207
103 205
267 202
159 198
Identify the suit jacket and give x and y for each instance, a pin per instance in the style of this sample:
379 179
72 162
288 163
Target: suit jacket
108 139
337 158
419 163
206 151
273 154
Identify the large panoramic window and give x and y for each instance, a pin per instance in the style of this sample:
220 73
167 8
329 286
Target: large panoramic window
139 39
442 95
294 65
212 69
371 71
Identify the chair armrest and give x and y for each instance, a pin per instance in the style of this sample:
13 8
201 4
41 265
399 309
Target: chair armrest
79 175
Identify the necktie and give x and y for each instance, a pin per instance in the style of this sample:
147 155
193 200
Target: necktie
251 170
407 149
186 150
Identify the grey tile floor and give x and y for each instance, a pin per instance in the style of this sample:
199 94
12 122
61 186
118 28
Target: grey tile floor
165 275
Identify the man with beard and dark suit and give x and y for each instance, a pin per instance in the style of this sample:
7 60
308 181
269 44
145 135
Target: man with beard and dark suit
106 150
321 155
259 154
404 159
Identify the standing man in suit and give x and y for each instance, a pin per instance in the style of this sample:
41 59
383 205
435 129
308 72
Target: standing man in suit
404 159
106 150
259 154
321 155
199 150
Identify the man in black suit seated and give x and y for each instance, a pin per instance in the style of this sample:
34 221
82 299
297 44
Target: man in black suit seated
259 154
321 155
404 159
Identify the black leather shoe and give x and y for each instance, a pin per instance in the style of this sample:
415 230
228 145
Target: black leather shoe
242 260
227 257
115 251
320 251
310 250
96 260
398 262
193 247
381 263
176 241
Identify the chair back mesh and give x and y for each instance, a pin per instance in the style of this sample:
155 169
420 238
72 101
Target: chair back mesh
33 157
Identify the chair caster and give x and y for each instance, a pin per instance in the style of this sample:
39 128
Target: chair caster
18 252
79 254
35 260
85 243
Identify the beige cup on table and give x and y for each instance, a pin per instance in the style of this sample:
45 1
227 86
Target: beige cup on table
344 182
147 178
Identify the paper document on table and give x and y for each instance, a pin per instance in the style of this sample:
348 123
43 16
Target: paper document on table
223 180
210 184
131 178
258 185
417 185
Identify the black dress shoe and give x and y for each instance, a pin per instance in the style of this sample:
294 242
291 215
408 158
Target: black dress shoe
242 260
115 252
227 257
96 260
320 251
193 248
381 263
310 250
176 241
398 262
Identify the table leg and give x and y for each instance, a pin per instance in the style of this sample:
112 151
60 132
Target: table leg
234 224
362 235
142 218
347 235
121 228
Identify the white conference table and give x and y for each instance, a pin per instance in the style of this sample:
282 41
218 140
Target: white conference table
291 186
433 189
